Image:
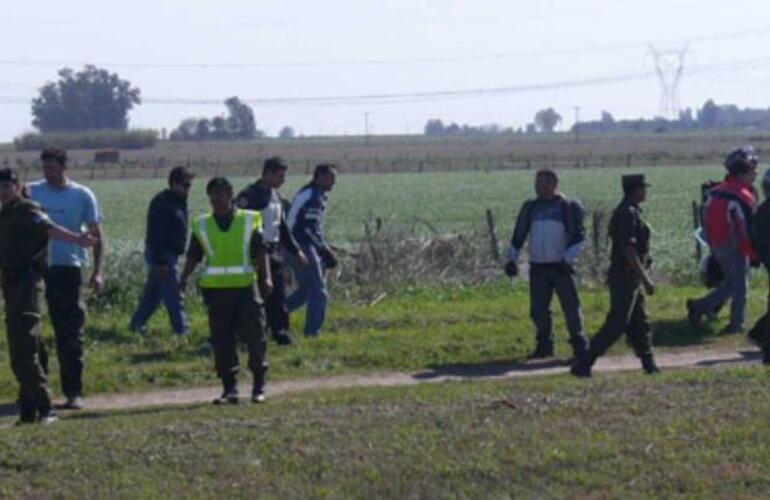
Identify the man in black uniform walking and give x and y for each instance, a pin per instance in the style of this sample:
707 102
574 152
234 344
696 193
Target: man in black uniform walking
263 196
628 282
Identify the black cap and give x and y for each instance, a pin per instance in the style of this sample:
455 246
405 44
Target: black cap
633 181
180 174
217 183
8 175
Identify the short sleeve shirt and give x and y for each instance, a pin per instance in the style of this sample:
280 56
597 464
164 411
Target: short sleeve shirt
74 207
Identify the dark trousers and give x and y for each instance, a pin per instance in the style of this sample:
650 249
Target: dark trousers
25 344
68 316
235 314
627 315
275 304
760 332
544 280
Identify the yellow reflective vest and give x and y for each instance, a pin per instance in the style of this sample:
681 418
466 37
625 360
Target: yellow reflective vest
228 255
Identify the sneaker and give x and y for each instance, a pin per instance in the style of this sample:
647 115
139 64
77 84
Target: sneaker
283 338
541 352
48 417
258 396
695 318
73 403
141 330
228 398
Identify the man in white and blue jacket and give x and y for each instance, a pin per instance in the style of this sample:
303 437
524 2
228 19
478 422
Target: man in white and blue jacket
554 226
306 221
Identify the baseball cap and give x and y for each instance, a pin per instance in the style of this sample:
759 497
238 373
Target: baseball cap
180 174
8 175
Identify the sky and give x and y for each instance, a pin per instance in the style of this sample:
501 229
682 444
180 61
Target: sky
282 56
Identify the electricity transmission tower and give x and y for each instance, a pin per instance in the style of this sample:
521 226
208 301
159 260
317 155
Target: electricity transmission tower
669 66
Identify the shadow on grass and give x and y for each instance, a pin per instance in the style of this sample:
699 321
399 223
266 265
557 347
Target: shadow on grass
8 409
110 335
679 333
743 358
488 369
167 355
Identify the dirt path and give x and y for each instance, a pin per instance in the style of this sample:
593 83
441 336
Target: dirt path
699 358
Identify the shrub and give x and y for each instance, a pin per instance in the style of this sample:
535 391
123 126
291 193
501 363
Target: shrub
94 139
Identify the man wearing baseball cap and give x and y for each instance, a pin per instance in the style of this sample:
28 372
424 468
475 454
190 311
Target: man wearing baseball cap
628 280
164 242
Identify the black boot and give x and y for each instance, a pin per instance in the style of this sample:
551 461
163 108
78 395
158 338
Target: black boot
766 354
229 392
27 413
581 368
542 351
648 364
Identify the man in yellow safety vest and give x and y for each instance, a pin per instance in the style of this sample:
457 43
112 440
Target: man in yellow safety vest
230 241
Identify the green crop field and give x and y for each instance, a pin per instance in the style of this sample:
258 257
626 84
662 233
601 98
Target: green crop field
449 203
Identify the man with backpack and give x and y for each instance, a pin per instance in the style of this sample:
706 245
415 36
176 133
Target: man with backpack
727 220
554 226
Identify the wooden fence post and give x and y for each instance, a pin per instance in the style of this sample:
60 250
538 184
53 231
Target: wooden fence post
493 235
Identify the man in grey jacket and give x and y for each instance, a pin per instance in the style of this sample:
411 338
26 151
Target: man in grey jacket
554 226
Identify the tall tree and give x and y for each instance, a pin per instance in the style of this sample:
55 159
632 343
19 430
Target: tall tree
240 119
547 119
91 99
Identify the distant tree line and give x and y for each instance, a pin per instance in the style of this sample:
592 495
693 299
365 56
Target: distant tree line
545 121
711 116
238 124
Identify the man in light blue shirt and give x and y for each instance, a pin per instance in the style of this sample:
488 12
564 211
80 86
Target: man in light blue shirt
74 207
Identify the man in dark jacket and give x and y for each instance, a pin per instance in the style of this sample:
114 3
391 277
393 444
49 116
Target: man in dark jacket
263 196
167 228
554 226
760 334
306 220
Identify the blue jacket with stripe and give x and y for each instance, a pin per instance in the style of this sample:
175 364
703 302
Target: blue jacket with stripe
306 216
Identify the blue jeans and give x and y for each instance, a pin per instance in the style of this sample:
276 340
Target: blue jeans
311 290
161 288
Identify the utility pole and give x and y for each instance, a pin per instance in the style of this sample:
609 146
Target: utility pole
577 123
366 127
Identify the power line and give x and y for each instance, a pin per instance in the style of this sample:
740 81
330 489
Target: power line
426 96
496 56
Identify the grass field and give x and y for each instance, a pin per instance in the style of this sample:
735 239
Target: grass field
451 203
433 327
416 325
684 434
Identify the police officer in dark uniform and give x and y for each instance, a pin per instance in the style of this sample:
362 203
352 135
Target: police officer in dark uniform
263 195
24 233
628 282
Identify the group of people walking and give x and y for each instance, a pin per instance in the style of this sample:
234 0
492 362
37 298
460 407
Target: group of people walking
246 240
736 231
242 242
